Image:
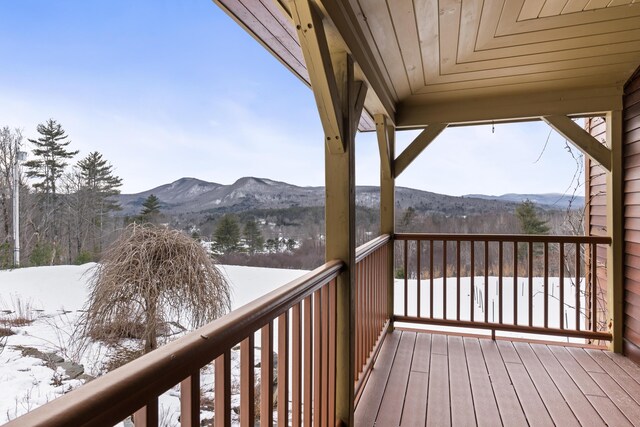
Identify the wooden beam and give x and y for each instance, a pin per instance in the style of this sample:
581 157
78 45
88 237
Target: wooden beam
615 229
419 112
340 217
386 143
360 90
581 139
344 19
421 142
386 156
317 57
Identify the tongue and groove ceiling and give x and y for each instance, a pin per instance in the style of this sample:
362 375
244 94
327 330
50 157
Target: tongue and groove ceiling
430 58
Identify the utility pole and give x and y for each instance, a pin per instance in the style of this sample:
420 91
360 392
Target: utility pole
19 156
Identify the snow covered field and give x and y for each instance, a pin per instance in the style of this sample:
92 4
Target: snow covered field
52 296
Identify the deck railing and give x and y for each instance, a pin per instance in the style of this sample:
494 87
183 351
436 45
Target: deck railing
526 284
518 283
372 317
302 314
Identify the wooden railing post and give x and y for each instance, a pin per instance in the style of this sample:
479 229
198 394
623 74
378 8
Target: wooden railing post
615 229
386 144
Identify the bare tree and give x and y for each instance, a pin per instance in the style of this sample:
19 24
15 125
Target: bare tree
10 141
151 275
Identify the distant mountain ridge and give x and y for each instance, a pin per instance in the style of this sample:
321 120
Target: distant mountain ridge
192 195
549 199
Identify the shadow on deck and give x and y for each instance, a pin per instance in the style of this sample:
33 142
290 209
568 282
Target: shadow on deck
431 379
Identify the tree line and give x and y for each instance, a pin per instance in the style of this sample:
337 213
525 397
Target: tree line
66 208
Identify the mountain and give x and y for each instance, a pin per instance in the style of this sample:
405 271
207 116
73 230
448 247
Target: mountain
556 200
190 195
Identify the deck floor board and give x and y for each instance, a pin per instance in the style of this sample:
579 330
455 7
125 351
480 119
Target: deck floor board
484 400
422 379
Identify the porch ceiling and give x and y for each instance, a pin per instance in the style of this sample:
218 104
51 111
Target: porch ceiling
460 61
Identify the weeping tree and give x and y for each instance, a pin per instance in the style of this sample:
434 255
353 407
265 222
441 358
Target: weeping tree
149 276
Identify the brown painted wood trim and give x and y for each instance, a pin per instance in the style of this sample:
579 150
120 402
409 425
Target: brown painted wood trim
503 238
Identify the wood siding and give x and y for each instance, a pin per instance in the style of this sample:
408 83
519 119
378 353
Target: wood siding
596 209
631 140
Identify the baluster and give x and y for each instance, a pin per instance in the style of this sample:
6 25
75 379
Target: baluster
307 362
418 245
266 375
283 369
594 287
406 277
458 280
317 360
324 352
431 278
530 254
561 296
332 352
577 286
359 316
296 369
147 416
222 402
247 382
546 284
486 281
500 291
472 285
190 400
515 283
444 279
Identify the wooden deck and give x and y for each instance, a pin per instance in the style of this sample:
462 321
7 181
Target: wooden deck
429 379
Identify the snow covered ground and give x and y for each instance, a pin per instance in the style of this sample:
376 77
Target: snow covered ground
52 298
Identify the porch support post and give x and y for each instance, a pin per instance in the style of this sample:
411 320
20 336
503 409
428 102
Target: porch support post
340 100
386 144
340 220
615 228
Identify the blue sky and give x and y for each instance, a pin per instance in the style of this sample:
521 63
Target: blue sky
167 89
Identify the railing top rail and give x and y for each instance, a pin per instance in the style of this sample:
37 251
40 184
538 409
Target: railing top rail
536 238
364 250
105 399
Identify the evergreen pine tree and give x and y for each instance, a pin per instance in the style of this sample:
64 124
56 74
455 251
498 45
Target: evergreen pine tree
50 152
227 235
150 207
99 186
97 177
47 168
530 222
253 236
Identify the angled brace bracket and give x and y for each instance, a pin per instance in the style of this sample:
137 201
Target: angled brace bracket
317 57
581 139
421 142
385 135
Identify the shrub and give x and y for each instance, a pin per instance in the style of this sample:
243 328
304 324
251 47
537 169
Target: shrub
151 275
84 257
42 254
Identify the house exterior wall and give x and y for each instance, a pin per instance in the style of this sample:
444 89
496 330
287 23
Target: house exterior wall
631 144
